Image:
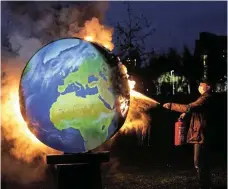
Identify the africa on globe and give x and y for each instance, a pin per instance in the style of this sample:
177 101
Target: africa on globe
74 95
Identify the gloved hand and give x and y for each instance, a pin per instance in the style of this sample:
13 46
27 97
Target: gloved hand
167 105
182 115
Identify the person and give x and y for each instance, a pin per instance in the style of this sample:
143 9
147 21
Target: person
199 130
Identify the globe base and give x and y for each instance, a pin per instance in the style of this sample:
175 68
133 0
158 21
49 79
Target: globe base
79 170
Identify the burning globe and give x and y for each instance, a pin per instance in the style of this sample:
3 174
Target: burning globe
74 95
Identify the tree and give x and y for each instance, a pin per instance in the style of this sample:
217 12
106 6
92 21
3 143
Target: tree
161 63
174 60
131 38
187 61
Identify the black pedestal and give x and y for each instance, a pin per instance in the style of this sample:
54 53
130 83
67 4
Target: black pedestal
79 171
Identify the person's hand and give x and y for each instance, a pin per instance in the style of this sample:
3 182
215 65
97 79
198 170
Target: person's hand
167 105
182 115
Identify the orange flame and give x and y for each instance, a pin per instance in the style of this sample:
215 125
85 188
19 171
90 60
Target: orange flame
88 38
26 146
95 32
137 119
131 84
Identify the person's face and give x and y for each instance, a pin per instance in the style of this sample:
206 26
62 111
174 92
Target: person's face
203 87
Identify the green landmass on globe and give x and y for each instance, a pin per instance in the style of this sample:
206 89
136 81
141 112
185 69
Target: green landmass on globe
63 111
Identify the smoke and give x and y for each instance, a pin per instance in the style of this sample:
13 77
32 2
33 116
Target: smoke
26 27
29 25
23 156
19 171
25 51
138 119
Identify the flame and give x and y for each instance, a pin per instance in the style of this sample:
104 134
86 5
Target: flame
137 119
131 84
14 103
94 31
89 38
26 146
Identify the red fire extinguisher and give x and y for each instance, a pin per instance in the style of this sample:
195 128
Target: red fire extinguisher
180 136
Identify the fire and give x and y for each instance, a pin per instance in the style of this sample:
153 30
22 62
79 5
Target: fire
94 31
26 146
137 119
14 103
88 38
131 84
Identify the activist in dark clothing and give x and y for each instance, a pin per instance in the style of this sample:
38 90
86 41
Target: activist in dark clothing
199 129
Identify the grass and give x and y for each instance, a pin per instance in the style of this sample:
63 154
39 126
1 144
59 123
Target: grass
130 177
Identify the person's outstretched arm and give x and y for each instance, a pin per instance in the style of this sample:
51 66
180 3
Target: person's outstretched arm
186 108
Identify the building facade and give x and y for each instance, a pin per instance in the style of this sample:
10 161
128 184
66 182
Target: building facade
211 54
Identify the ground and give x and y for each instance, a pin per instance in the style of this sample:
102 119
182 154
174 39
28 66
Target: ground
146 170
136 178
142 169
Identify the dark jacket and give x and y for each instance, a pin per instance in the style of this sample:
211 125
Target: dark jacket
199 112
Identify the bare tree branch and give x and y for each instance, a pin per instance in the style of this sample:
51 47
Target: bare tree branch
131 35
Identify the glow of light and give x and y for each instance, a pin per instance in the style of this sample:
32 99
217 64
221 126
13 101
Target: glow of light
89 38
131 84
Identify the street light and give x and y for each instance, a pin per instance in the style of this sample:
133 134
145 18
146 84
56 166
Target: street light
172 76
205 71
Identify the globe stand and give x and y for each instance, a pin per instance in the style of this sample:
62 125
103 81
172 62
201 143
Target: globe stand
79 171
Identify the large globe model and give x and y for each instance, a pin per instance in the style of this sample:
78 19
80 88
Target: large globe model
74 95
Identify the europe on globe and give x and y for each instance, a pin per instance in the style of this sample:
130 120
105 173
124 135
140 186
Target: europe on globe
74 95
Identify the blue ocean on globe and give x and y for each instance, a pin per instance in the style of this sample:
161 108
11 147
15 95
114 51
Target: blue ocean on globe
67 98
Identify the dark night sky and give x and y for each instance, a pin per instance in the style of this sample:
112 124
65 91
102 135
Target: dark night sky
176 23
